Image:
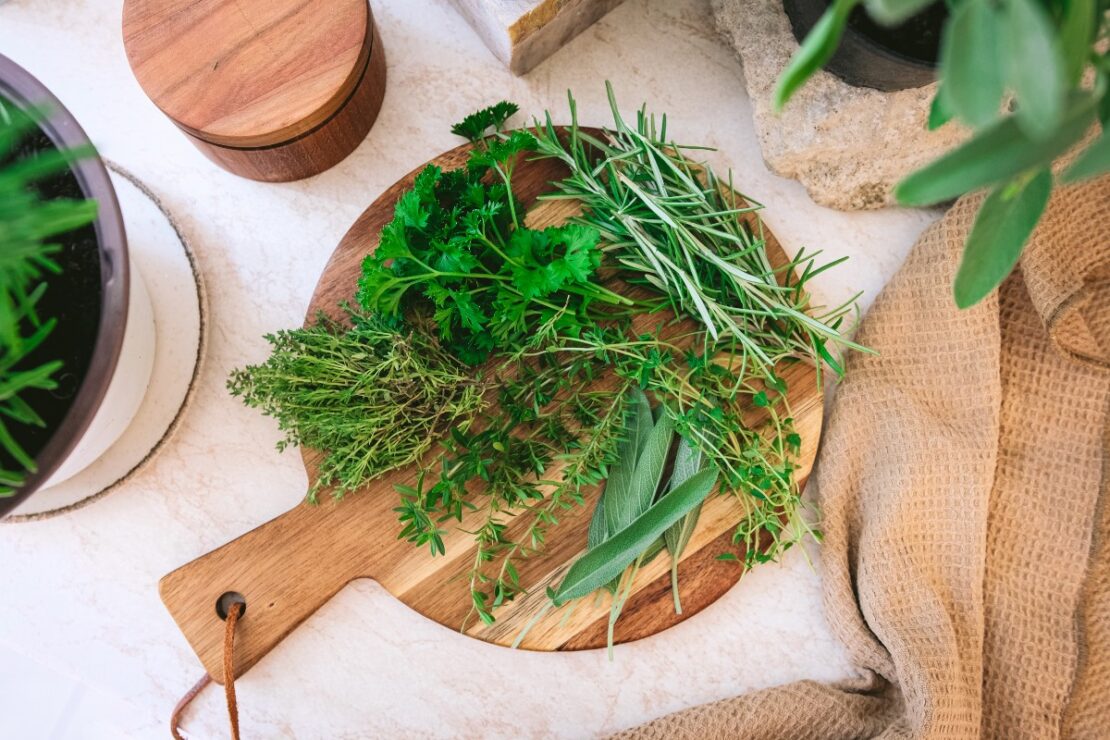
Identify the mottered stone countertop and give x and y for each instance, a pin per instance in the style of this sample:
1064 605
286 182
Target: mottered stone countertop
79 592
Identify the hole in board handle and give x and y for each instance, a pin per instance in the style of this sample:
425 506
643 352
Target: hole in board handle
227 598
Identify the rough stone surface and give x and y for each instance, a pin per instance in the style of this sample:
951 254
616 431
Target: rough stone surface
522 33
847 145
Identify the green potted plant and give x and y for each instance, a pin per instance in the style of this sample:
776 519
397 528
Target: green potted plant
76 328
28 224
1030 78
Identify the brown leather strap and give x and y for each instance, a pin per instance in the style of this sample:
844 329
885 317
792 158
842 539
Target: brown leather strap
175 718
233 613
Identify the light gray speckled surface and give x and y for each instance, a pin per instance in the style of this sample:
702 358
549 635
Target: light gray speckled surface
79 592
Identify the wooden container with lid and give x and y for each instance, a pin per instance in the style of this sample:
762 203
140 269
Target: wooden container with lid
273 90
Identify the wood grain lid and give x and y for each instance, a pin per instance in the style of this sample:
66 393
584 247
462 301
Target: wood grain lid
248 73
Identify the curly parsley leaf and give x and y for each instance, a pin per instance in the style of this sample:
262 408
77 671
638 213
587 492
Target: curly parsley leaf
475 126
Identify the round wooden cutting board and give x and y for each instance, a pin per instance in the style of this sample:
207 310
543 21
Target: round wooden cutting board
286 569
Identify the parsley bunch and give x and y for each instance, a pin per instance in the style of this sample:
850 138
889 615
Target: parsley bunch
457 249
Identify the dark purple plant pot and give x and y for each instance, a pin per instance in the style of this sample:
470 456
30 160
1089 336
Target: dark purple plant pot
22 89
871 55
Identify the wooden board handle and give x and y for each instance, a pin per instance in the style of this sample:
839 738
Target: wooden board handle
285 571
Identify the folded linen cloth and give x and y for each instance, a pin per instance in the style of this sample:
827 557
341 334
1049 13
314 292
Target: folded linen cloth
963 484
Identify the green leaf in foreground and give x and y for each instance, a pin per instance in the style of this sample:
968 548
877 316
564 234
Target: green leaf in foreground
970 76
1003 224
940 112
1035 67
1094 161
819 45
605 562
996 154
1076 28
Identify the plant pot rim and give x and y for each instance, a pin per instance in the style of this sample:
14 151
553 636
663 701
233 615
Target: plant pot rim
23 89
860 60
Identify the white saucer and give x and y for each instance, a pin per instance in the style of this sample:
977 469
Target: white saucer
176 292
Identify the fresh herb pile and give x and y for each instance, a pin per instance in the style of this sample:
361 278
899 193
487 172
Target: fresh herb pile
521 381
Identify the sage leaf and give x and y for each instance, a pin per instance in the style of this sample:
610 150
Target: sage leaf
637 427
638 495
1094 161
893 12
598 530
653 549
688 460
1035 67
819 45
971 79
1003 224
645 420
996 154
606 561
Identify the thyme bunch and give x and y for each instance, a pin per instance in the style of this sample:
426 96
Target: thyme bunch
374 396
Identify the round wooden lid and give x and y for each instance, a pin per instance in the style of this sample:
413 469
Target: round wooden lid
248 73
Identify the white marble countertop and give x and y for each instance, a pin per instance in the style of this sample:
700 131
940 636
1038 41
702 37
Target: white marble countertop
79 591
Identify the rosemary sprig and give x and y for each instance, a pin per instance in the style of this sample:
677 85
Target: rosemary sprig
673 225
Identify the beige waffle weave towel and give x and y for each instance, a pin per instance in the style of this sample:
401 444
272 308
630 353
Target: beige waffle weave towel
963 483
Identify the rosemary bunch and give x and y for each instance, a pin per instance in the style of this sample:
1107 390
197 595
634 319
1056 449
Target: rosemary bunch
673 225
373 396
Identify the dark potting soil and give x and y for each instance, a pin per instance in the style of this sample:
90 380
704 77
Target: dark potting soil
73 298
918 38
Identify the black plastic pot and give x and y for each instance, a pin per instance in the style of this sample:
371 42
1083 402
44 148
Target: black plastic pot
86 389
871 55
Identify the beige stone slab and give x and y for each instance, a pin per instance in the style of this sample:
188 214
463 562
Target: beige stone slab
522 33
847 145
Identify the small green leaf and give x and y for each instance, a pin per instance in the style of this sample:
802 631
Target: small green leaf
605 562
1004 223
819 45
475 125
940 112
1076 29
1094 161
969 66
1035 67
996 154
893 12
